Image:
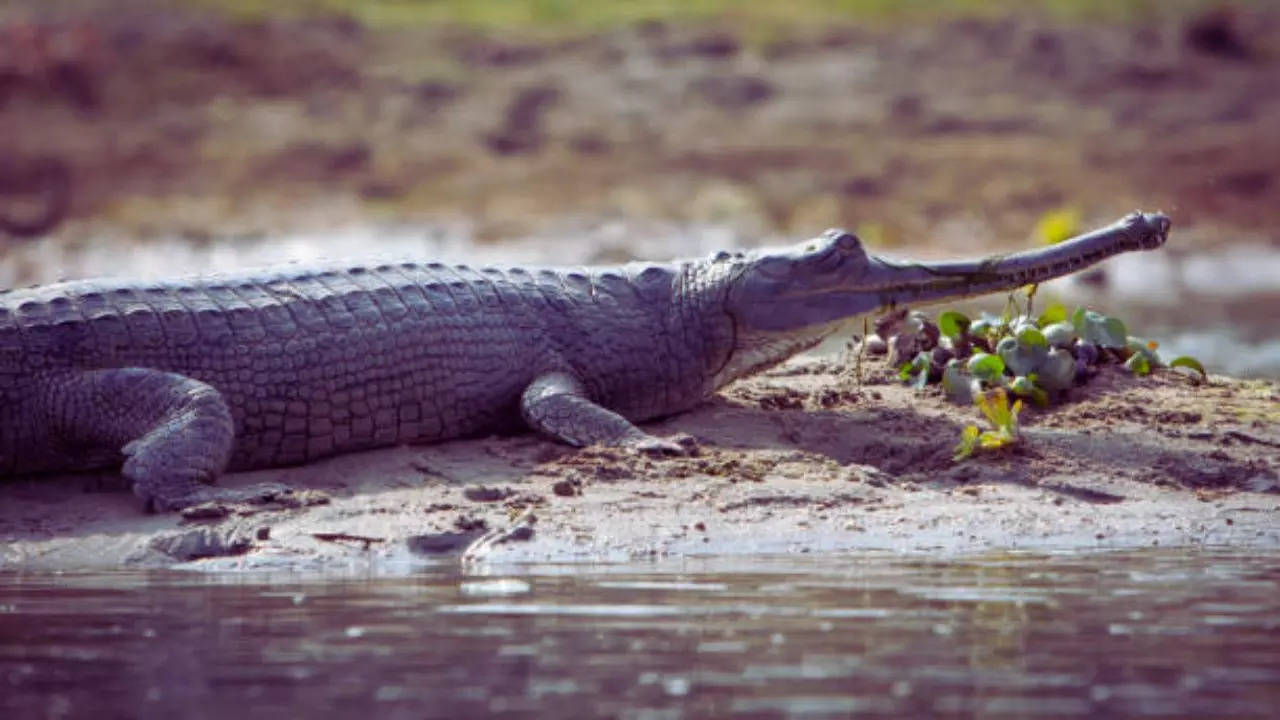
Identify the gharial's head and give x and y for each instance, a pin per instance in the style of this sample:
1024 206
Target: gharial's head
784 300
787 299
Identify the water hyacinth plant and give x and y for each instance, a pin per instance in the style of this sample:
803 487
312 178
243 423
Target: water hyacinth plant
1031 357
995 406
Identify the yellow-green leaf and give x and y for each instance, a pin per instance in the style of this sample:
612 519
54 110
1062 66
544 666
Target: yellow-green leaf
1187 361
1058 225
968 441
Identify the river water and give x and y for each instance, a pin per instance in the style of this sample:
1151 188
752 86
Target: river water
1169 633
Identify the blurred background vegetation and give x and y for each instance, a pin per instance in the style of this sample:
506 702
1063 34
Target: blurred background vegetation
757 17
957 122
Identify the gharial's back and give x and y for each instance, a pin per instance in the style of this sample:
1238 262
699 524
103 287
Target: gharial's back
311 363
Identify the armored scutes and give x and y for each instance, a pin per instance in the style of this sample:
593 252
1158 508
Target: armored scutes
177 382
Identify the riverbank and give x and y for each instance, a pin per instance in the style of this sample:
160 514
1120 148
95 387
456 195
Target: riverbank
200 140
801 459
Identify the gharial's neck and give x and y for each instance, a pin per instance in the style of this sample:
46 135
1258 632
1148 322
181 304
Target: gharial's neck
729 348
698 319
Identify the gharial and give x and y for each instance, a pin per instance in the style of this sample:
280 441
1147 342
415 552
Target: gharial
176 382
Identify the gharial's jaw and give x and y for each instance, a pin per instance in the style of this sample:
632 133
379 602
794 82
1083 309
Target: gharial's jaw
787 300
832 278
912 283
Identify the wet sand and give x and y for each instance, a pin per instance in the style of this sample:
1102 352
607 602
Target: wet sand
801 459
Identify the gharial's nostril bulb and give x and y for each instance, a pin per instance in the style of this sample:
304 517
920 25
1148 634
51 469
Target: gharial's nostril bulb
843 239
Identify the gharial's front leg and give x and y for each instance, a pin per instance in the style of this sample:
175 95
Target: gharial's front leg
557 404
174 432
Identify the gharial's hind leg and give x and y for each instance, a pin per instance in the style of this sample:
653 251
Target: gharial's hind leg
174 432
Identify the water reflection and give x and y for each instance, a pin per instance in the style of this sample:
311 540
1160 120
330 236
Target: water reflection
1167 634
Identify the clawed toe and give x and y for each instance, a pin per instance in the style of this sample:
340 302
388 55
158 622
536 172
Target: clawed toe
662 447
260 493
251 495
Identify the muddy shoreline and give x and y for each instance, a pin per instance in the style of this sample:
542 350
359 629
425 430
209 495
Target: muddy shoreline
801 459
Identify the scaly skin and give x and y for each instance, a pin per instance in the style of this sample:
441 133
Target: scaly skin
176 382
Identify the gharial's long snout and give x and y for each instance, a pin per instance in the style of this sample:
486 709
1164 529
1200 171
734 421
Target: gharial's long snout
902 283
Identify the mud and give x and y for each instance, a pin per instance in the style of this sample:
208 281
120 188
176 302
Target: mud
802 459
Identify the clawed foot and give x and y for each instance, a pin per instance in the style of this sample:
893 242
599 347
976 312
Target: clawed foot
645 444
257 495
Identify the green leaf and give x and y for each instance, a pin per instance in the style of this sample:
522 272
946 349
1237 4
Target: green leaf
1138 364
1022 385
995 440
1023 358
1186 361
953 324
904 371
1138 345
986 325
1020 323
1058 371
1118 335
1100 329
1055 313
995 405
1030 336
968 441
1058 225
916 372
1077 320
986 367
957 383
921 381
1060 334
